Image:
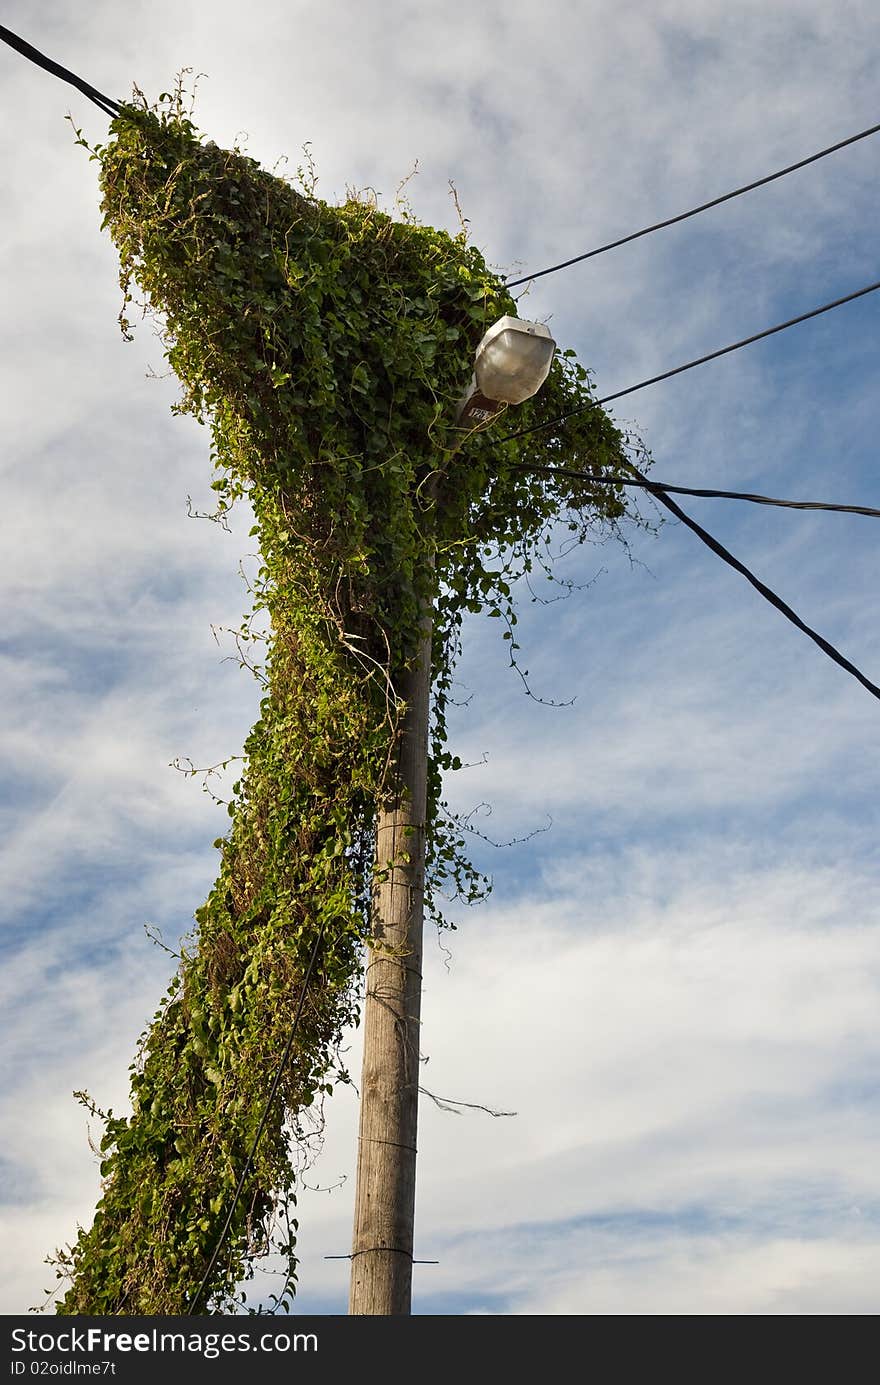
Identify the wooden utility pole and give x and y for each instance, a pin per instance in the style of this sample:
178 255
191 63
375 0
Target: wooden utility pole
382 1247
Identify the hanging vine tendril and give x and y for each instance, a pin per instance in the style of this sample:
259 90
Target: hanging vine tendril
325 347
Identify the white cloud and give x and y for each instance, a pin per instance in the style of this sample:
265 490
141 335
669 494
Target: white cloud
676 987
691 1067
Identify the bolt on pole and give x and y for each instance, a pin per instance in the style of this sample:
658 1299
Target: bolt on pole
382 1246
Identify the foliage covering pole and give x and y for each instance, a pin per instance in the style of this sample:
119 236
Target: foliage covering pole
325 348
382 1246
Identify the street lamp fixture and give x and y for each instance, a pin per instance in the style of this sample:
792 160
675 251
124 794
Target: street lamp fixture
511 364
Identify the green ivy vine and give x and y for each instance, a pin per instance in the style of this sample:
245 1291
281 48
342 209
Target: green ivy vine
325 347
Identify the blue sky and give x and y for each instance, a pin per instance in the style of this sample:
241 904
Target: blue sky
675 987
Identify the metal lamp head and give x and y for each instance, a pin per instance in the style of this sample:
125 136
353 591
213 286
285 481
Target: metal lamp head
512 362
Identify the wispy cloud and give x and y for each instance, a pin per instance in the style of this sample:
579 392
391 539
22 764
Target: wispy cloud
676 986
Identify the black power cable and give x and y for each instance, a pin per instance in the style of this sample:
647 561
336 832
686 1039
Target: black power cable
703 493
689 365
279 1071
695 211
106 104
711 542
765 591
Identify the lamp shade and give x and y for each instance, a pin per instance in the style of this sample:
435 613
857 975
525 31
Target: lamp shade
513 360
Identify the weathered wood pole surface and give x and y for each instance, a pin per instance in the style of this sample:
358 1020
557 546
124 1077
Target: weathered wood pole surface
382 1247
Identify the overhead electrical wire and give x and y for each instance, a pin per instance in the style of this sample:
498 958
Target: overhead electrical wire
702 492
689 365
659 491
27 50
694 211
279 1072
765 591
665 499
